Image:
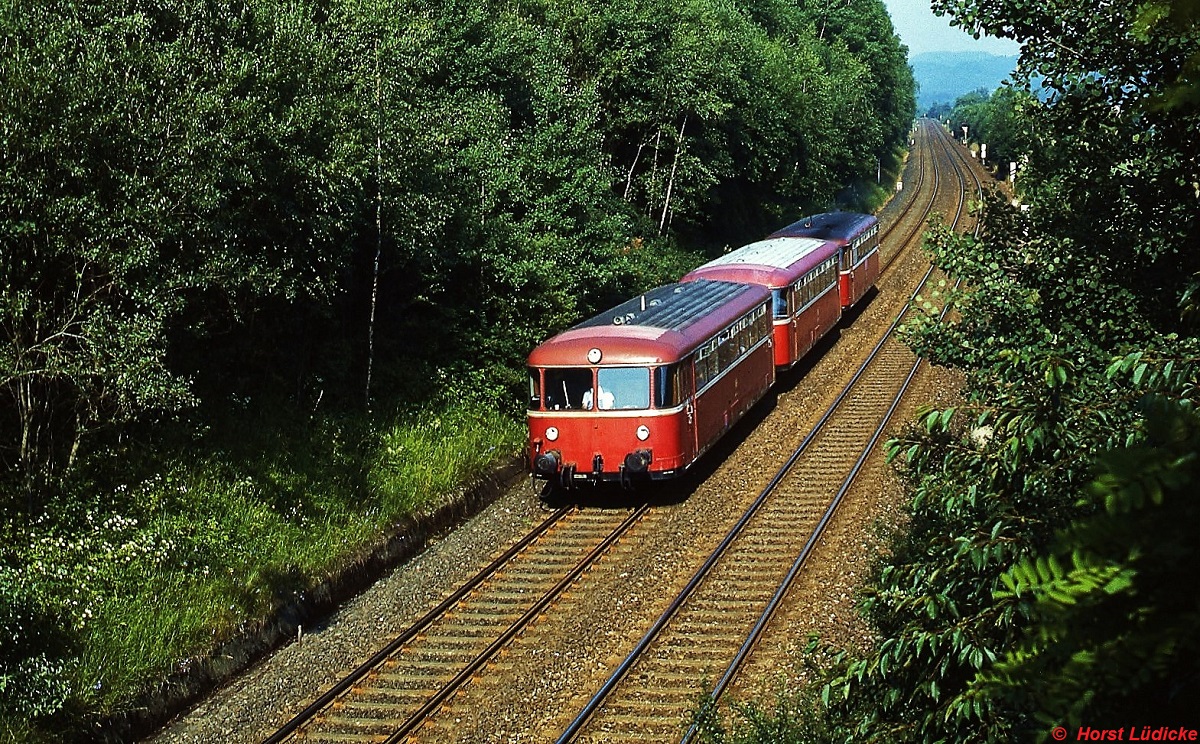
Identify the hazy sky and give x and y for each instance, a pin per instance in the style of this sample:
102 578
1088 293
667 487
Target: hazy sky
922 31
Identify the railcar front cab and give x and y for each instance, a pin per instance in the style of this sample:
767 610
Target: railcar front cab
624 397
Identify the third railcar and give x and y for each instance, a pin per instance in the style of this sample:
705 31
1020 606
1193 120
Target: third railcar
802 274
857 235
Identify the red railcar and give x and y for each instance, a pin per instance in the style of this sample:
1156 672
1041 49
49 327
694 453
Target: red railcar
802 274
642 390
857 235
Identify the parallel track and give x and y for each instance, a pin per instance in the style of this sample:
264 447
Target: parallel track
392 693
730 677
390 696
723 610
911 226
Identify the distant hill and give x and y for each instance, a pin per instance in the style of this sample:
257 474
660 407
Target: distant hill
944 76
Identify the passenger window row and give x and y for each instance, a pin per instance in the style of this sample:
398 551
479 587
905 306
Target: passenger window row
726 348
815 282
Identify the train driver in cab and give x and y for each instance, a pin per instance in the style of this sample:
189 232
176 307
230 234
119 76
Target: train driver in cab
606 399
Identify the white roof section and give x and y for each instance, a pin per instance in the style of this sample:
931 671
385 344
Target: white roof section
777 253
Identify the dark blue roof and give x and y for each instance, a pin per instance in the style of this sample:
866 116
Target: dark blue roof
828 226
671 307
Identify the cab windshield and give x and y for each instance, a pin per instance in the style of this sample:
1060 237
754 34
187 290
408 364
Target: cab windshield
622 388
568 389
606 388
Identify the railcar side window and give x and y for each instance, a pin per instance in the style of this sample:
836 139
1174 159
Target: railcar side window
668 386
762 327
565 388
779 296
812 284
535 389
706 364
723 351
726 351
623 387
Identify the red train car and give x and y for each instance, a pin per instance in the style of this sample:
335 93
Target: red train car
857 235
802 274
644 389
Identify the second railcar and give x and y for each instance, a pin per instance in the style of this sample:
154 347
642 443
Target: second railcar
857 235
802 274
641 391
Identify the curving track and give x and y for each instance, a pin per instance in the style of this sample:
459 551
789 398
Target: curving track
413 689
755 661
720 614
749 677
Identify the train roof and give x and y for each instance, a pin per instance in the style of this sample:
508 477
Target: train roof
775 262
838 226
663 325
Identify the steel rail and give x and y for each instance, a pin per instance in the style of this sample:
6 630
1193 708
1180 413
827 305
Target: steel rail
465 674
719 552
334 693
912 233
776 601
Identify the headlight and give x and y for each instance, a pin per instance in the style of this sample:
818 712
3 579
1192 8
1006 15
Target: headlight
552 433
643 432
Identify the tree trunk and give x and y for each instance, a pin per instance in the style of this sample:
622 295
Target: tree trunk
662 222
378 226
653 174
629 175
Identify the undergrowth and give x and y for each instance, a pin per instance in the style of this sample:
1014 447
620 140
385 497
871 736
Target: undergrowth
103 595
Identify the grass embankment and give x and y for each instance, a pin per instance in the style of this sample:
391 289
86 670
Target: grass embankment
119 588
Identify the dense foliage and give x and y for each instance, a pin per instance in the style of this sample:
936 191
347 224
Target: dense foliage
1047 579
185 184
1048 575
244 244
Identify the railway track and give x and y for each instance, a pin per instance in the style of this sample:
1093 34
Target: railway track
757 660
904 230
392 693
722 611
399 692
749 677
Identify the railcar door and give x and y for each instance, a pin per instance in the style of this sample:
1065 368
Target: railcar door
795 344
687 379
691 415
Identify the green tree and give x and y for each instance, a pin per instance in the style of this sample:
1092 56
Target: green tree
991 479
1043 578
996 119
1113 636
155 158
